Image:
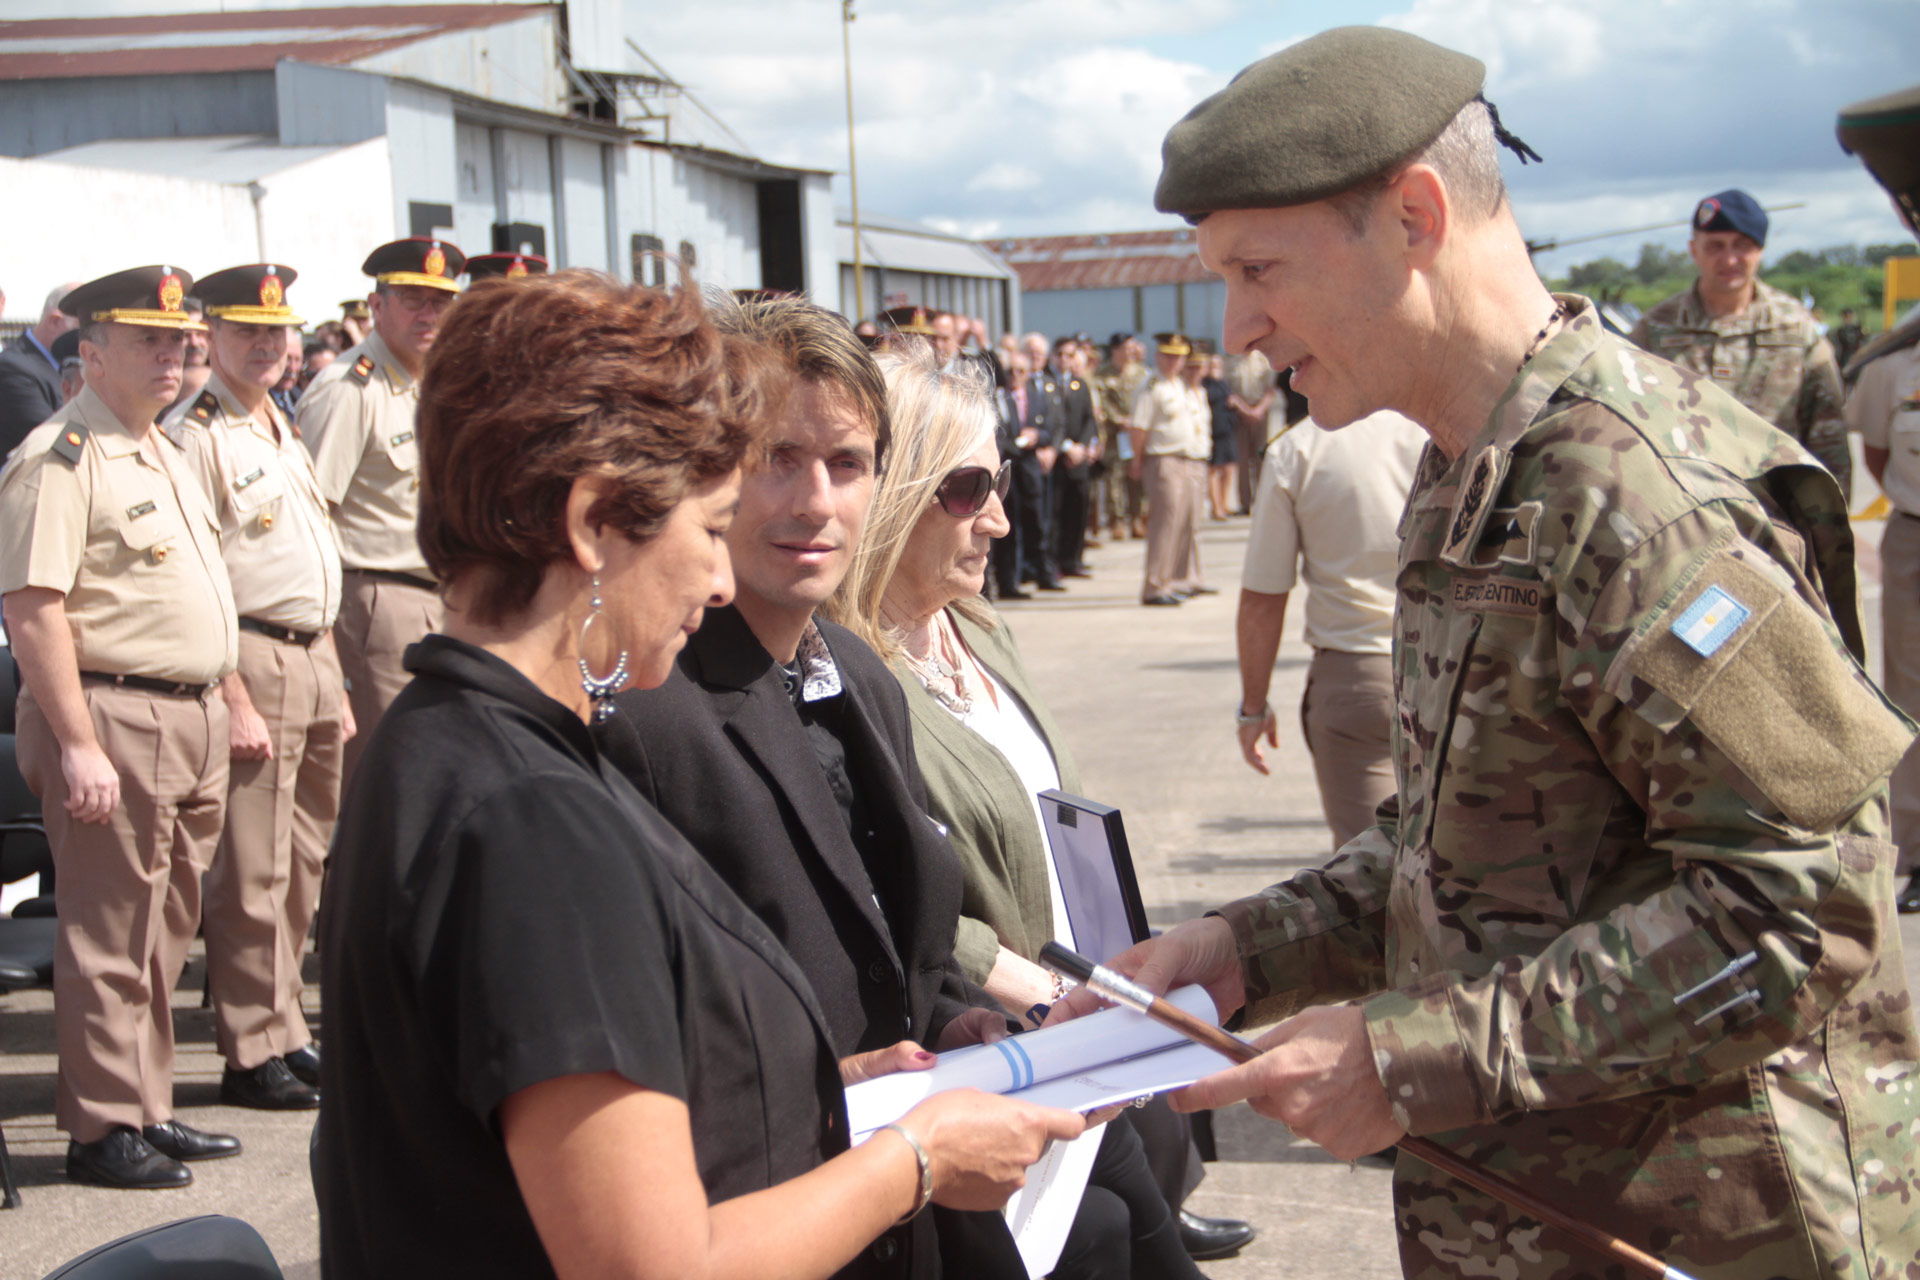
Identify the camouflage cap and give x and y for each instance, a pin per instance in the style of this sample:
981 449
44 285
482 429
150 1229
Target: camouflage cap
1885 133
1318 118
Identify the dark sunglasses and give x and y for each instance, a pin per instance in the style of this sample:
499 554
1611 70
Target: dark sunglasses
965 491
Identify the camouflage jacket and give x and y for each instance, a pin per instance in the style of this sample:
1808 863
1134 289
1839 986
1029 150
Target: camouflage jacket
1770 357
1626 934
1113 391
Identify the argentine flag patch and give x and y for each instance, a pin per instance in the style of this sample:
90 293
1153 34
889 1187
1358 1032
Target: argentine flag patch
1710 621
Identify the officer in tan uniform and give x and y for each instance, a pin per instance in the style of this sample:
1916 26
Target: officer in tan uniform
1172 436
123 627
287 700
357 418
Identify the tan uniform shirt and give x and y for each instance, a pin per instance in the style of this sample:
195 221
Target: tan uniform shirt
1328 509
126 534
357 417
275 534
1885 409
1175 417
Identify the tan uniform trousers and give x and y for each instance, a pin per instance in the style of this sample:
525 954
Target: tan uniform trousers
378 619
265 882
128 895
1900 637
1346 715
1175 489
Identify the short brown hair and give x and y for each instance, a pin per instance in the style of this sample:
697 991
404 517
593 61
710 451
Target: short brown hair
535 382
819 346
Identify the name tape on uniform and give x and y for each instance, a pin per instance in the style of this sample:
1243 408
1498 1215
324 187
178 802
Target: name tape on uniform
1710 621
1499 595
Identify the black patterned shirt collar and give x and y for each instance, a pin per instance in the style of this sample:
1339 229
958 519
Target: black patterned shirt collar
813 675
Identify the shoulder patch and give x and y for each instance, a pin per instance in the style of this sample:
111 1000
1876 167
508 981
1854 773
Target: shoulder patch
362 371
203 408
71 441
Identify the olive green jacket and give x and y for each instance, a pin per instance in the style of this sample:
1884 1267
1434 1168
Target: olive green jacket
974 791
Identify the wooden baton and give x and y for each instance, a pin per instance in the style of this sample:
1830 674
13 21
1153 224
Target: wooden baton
1114 987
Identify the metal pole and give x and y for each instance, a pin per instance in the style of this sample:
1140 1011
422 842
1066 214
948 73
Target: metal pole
853 165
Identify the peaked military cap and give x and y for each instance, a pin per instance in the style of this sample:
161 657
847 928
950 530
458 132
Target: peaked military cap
419 260
66 348
1732 210
255 294
1172 344
512 265
908 320
149 296
1316 119
1885 133
355 309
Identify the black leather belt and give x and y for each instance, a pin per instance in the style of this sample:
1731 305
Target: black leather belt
148 684
285 635
394 575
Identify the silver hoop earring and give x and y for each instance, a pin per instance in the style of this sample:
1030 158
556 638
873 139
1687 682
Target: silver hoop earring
599 689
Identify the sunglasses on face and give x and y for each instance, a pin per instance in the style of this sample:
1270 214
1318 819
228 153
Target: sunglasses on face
965 491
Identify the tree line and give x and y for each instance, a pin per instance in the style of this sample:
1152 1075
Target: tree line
1837 277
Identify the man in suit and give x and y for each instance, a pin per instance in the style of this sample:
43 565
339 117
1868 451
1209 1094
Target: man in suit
781 747
1021 555
1079 440
30 373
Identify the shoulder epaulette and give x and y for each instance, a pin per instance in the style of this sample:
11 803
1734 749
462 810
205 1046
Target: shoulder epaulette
203 409
362 371
71 441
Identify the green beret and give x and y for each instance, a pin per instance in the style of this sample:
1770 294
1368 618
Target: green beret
1318 118
1885 133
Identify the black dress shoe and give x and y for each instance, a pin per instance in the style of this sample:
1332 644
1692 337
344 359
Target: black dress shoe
304 1062
1015 594
1207 1238
184 1142
1051 584
123 1159
1909 899
1161 600
267 1087
1077 571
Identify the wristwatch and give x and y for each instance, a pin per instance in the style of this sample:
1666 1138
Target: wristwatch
1244 721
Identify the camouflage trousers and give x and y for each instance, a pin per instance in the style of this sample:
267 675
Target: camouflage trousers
1121 498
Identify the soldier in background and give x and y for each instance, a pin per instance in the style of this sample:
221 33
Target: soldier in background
1170 431
1847 339
1626 935
1115 384
1758 344
357 418
287 702
1885 409
1255 386
356 320
117 608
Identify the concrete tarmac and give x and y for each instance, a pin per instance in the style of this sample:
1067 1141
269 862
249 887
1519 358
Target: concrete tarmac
1145 698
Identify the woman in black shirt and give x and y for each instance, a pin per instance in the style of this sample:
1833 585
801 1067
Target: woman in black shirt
557 1044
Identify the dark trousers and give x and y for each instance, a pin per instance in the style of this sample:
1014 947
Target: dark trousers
1022 554
1072 489
1124 1230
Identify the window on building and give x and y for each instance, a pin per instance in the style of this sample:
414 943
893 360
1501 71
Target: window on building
649 260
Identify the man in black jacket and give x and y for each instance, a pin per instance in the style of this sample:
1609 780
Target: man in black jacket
30 375
1077 434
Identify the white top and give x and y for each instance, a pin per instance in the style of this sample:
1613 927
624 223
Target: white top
1328 510
1885 409
1002 721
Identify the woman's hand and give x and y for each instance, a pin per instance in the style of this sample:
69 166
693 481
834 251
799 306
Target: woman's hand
904 1056
975 1026
1019 984
980 1145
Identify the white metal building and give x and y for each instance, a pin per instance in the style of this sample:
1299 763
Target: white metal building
906 264
308 136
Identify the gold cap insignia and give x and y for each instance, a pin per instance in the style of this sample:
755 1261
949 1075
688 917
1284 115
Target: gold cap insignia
516 268
171 292
435 263
272 294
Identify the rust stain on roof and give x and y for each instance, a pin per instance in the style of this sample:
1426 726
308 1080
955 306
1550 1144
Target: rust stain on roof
325 36
1121 259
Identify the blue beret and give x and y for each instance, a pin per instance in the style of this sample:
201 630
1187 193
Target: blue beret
1732 210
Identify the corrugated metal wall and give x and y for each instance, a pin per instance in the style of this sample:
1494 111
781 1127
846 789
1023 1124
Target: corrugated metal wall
38 116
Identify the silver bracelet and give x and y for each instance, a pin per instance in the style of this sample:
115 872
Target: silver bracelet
925 1197
1245 721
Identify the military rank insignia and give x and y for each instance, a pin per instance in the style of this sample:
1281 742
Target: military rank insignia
362 370
69 443
1710 621
202 411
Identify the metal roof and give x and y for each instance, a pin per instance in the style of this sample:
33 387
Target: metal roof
1116 260
897 245
170 44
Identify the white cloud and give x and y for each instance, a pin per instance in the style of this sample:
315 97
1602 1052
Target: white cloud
1001 176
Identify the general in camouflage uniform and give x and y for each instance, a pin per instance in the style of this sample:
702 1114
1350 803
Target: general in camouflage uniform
1626 935
1768 353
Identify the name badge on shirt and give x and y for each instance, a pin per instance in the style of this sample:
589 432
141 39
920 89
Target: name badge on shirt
401 439
140 509
1510 596
246 480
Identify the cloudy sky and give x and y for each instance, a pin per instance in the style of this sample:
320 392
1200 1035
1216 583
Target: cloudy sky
1031 117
